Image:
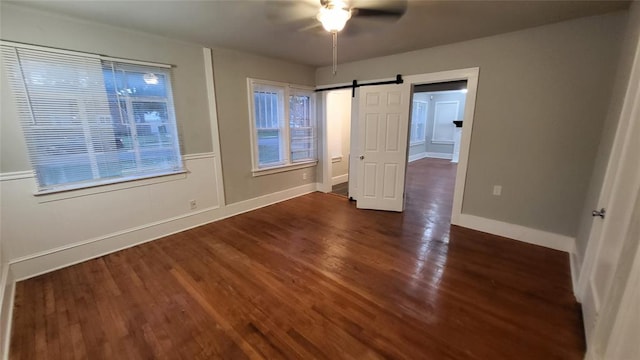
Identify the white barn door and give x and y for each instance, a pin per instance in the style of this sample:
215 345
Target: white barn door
383 127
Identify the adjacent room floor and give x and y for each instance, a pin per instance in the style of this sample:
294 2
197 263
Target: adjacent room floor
312 277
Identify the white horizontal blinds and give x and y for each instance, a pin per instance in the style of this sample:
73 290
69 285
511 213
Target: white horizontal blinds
418 121
75 125
65 127
302 125
269 118
144 123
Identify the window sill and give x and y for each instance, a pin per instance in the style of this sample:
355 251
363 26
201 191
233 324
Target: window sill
283 168
72 192
417 143
442 142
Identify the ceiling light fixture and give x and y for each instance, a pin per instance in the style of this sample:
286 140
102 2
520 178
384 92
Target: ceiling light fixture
150 79
334 17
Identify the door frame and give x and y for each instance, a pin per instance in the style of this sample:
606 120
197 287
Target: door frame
471 75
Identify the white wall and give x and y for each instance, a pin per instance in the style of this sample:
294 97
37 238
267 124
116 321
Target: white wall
431 148
339 132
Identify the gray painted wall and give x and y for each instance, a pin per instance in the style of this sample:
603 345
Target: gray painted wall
231 70
622 75
542 98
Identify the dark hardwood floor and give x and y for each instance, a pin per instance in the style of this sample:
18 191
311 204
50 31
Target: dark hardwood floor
341 189
310 278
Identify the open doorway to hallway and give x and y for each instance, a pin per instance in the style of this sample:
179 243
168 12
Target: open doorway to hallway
434 146
395 95
338 115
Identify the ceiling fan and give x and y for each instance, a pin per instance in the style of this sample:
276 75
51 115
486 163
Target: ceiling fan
349 16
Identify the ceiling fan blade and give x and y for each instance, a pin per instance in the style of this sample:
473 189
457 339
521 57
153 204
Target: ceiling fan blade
390 13
316 25
287 11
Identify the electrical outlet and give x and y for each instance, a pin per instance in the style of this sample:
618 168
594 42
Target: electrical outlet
304 176
497 190
193 204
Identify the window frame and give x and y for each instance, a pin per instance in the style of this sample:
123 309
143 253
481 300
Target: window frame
286 163
88 186
415 124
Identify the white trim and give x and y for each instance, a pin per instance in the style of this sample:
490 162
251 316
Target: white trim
198 156
518 232
17 175
269 199
418 156
68 191
7 295
435 122
26 174
284 126
323 127
213 121
442 142
471 76
574 265
282 168
43 197
335 159
436 155
84 54
53 259
339 179
433 155
46 261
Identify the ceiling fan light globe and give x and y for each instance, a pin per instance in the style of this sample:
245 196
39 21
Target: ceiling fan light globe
334 19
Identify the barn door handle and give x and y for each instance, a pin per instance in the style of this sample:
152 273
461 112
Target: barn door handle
600 213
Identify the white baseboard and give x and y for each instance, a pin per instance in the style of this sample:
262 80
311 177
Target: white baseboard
53 259
339 179
518 232
7 289
415 157
266 200
434 155
439 155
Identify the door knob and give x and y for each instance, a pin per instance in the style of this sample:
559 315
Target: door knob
600 213
361 157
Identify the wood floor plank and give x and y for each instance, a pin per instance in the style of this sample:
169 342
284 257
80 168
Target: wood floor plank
311 278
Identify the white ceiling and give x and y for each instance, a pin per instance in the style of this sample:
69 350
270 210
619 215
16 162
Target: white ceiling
246 24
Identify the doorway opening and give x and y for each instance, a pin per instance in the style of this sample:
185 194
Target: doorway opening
338 120
435 132
380 128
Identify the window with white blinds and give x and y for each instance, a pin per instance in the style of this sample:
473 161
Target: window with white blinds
89 121
283 124
418 122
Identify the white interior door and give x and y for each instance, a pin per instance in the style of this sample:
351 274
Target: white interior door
383 126
608 235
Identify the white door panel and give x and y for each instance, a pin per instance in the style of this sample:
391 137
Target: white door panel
382 132
599 286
